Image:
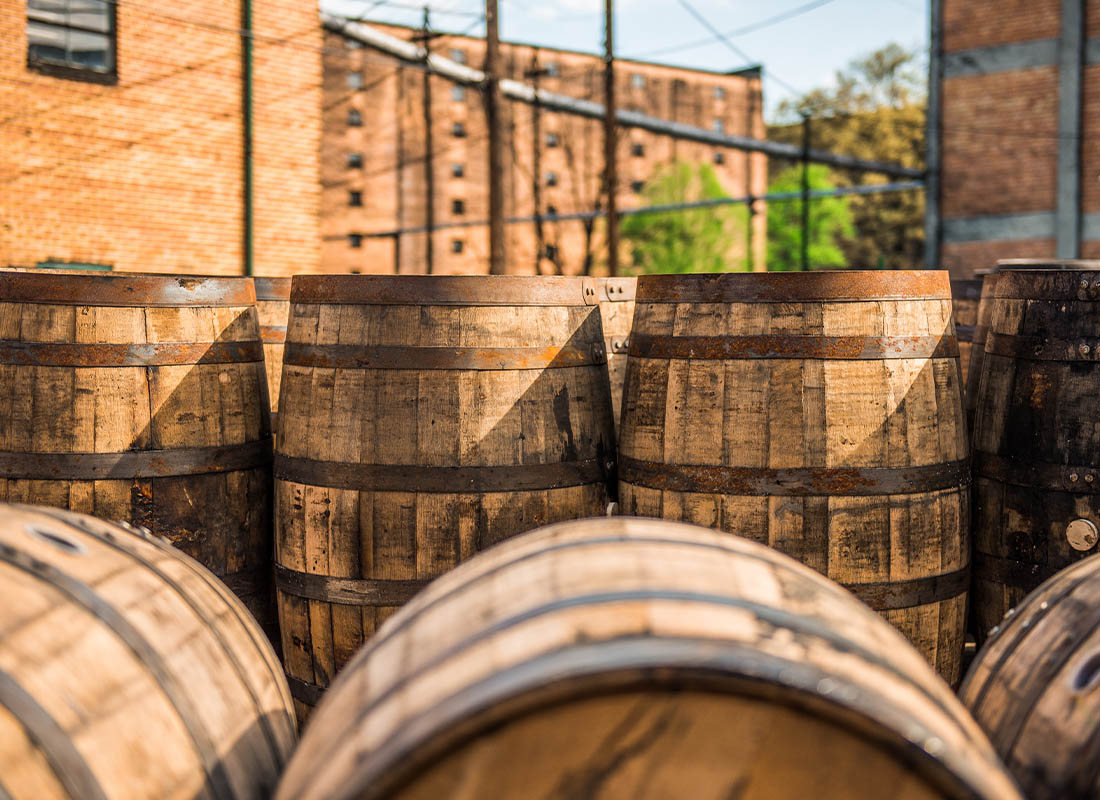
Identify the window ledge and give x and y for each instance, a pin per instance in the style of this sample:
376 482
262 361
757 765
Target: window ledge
73 73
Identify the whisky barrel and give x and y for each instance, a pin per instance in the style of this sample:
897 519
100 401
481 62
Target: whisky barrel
633 658
423 419
965 295
143 398
977 350
1036 457
1033 687
127 671
272 310
818 413
617 314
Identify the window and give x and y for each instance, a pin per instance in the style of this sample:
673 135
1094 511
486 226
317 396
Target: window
552 211
355 80
719 92
637 81
458 207
355 198
458 170
72 39
552 140
355 160
355 119
457 246
719 157
718 126
458 130
355 240
637 149
458 93
551 252
353 44
552 69
551 179
458 55
637 186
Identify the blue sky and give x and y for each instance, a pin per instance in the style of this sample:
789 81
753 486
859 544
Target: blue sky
800 52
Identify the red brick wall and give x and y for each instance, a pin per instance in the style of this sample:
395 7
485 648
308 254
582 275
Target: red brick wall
963 258
969 24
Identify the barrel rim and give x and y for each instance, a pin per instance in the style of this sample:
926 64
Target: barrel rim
126 289
1056 264
446 290
271 287
793 287
1047 284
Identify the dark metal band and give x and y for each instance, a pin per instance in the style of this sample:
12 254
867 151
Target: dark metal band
439 480
962 289
965 333
445 290
1010 572
1037 475
86 598
796 287
70 354
350 356
1035 348
273 334
272 288
909 594
56 744
308 693
798 481
127 290
617 290
346 591
790 346
136 464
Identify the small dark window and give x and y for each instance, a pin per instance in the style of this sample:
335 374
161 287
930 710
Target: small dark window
551 179
637 186
355 119
355 198
552 211
457 246
72 39
458 55
552 140
458 130
719 157
355 240
355 160
552 69
458 93
458 207
718 126
637 149
355 80
551 252
719 93
458 170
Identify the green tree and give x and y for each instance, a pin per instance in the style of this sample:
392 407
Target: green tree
830 221
690 240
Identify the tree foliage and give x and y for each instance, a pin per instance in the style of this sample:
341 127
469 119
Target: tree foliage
830 220
688 240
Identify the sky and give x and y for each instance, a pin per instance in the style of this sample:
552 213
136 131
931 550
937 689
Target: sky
800 43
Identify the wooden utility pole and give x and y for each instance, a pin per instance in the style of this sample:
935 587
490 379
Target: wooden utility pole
610 170
805 192
534 73
497 257
429 162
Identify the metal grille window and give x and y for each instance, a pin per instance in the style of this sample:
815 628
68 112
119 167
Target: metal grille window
719 157
457 246
355 119
551 252
552 140
355 160
552 211
551 179
355 240
458 130
719 93
637 149
72 39
355 80
458 170
458 207
718 126
355 198
637 186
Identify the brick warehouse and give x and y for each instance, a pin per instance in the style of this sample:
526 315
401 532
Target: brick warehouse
122 135
1014 131
373 156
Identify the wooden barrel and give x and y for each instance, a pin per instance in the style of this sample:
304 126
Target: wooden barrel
819 413
127 671
977 350
143 398
631 658
617 314
965 295
423 419
1036 455
1033 687
272 309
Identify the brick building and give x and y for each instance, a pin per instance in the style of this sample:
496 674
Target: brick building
376 179
122 135
1014 131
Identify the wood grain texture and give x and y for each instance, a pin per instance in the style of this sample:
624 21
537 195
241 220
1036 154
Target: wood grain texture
181 448
977 350
386 476
617 315
273 311
630 658
127 671
965 296
853 463
1033 687
1036 443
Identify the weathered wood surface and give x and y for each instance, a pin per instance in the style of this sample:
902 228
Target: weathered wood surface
1033 687
820 414
143 398
272 310
422 420
1036 443
965 295
631 658
617 314
127 672
977 350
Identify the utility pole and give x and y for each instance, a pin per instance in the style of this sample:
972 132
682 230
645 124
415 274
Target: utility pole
497 257
805 191
534 73
610 171
429 164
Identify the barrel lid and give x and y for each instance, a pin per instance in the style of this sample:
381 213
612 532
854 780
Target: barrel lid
445 290
1048 284
1047 263
794 287
124 289
269 288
